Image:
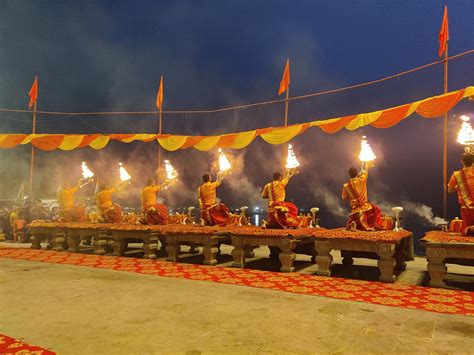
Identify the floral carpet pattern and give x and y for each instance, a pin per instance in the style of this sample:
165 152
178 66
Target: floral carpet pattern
9 345
395 295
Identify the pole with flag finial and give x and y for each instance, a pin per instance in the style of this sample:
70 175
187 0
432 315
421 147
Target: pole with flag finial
443 48
33 93
159 105
285 87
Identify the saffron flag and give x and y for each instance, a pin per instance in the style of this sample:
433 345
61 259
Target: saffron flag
285 80
33 93
443 33
159 96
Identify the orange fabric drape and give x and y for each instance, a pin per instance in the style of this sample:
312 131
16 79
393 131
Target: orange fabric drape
336 126
50 142
392 116
438 106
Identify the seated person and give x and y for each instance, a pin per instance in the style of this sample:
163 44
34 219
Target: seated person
462 182
212 212
364 215
281 214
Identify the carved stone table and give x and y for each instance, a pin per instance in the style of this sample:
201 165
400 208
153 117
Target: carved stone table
208 237
78 232
283 243
53 234
446 248
124 234
391 249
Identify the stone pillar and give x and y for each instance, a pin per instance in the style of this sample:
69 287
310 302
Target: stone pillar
172 248
386 262
287 255
323 258
100 241
238 253
73 243
58 241
210 250
436 266
150 245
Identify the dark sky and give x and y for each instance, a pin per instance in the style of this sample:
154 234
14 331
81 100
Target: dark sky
109 55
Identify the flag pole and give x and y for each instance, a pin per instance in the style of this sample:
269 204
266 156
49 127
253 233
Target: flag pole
32 161
286 112
160 127
445 140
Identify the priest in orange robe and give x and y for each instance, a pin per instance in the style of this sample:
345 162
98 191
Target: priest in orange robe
365 215
109 212
212 212
281 214
462 182
153 212
68 210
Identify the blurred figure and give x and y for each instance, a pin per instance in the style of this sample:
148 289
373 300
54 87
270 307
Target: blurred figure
212 212
364 215
68 210
462 182
153 212
109 212
281 214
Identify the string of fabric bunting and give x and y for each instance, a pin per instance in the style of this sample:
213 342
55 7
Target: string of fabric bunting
428 108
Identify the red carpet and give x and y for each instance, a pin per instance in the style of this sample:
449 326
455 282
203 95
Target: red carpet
12 346
396 295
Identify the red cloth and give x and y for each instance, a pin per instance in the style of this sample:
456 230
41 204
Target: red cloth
367 220
112 214
157 214
282 214
467 221
75 214
217 215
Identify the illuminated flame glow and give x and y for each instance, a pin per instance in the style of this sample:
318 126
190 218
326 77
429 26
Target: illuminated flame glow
291 160
86 172
366 152
171 172
124 175
224 163
465 134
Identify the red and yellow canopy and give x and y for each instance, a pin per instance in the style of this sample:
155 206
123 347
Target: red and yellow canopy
429 108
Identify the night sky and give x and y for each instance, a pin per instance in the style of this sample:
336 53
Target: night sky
109 56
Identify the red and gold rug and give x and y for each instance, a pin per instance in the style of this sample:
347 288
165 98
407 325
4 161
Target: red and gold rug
12 346
395 295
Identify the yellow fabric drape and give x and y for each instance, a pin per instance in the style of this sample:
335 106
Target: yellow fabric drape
243 139
282 135
172 143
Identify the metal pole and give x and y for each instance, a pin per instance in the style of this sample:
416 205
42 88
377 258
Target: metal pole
32 162
445 141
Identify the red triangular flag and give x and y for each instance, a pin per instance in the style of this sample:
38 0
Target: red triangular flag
285 80
443 33
159 96
33 93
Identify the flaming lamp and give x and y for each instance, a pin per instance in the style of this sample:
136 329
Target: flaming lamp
124 175
366 153
292 162
87 174
171 173
466 135
224 164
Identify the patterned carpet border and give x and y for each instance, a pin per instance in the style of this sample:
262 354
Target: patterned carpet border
9 345
395 295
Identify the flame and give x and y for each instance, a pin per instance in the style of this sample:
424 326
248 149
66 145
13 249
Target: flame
171 172
366 152
224 163
291 160
86 172
465 134
124 175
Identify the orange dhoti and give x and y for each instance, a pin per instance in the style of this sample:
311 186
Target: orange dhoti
217 214
157 214
112 214
283 214
467 215
74 214
370 219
